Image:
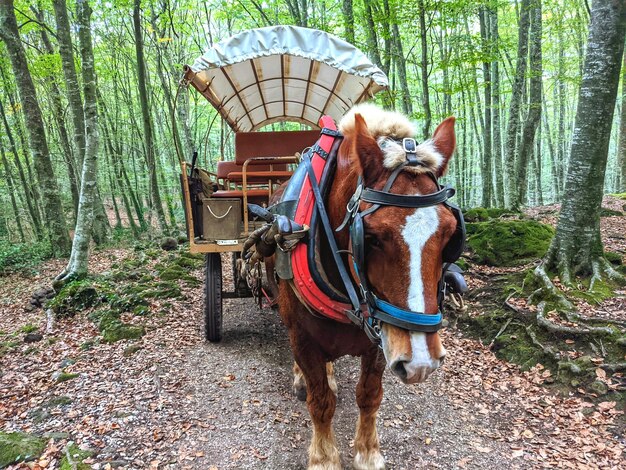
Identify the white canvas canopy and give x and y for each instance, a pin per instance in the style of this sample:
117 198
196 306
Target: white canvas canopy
283 73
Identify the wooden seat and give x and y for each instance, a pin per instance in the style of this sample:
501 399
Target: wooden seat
263 176
235 193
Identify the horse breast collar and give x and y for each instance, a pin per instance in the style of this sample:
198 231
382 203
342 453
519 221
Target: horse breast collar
360 306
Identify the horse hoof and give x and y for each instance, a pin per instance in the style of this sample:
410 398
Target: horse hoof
369 461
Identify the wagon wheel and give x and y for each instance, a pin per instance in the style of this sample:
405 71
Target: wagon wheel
213 298
241 285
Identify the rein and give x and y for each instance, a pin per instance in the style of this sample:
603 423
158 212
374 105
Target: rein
368 311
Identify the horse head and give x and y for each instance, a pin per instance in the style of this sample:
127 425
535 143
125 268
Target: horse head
404 247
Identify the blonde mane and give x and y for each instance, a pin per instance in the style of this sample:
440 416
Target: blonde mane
387 127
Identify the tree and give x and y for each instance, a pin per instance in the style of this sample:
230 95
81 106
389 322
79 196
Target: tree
77 266
147 119
577 247
529 130
55 217
621 152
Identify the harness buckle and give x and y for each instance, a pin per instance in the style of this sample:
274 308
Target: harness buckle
409 145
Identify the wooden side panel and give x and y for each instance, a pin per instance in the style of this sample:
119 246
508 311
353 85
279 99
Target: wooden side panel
272 144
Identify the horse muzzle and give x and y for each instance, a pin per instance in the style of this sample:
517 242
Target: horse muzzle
412 372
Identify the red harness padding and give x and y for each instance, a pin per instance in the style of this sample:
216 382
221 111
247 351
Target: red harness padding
303 284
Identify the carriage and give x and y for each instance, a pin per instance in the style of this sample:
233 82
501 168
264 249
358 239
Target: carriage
283 77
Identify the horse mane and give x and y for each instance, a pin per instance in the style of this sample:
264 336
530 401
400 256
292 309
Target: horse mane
388 128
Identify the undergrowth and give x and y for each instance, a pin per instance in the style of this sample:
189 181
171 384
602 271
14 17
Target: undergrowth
22 257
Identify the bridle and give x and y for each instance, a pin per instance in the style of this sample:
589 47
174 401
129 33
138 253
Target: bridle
368 311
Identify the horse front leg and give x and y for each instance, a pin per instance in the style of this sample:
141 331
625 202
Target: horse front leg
369 394
321 401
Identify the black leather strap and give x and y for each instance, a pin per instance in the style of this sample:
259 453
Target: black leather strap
355 316
384 198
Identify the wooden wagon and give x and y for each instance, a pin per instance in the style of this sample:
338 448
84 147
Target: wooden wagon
254 79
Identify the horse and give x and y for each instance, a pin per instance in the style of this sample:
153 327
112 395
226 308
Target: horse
403 257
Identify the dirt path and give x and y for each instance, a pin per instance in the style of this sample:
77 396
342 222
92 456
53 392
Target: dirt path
177 402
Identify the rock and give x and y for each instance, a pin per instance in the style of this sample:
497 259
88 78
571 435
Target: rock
77 455
621 341
599 388
31 307
32 337
19 447
169 244
68 361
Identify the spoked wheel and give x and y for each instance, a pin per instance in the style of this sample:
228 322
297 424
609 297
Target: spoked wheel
213 297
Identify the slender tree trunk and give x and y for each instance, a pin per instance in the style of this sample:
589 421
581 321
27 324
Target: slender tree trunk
31 202
526 147
514 106
147 119
79 259
553 166
400 62
487 157
55 218
561 158
577 246
370 35
348 20
538 167
424 65
11 188
495 100
621 152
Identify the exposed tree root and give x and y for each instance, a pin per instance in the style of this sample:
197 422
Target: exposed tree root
556 355
554 328
613 368
546 285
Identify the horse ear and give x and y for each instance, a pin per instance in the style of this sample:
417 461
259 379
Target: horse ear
367 151
445 142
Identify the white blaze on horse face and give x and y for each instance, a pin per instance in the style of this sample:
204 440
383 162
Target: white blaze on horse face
419 227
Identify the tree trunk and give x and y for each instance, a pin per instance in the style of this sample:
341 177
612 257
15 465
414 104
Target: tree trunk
424 65
577 246
31 202
11 188
147 119
526 147
400 62
348 20
487 157
495 112
621 152
514 105
55 218
370 35
79 259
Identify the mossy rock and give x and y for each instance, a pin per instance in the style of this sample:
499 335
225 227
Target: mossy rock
509 242
19 447
75 297
177 273
482 214
64 377
517 348
112 328
77 455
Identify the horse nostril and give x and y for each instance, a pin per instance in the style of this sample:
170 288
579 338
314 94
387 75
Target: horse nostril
399 369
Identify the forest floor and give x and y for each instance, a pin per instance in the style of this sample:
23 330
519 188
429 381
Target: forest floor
169 400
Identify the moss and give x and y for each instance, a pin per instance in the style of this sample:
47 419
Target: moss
77 456
613 258
89 344
601 291
64 377
482 214
76 296
619 195
57 401
130 350
176 273
517 348
7 346
19 447
28 328
509 242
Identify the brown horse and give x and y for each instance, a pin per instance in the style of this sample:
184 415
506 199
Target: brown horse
403 251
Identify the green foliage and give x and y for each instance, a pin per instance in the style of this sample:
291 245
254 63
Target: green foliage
508 242
19 447
18 257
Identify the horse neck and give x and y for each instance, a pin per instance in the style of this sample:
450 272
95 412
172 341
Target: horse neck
342 189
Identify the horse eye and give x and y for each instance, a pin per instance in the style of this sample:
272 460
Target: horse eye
372 241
